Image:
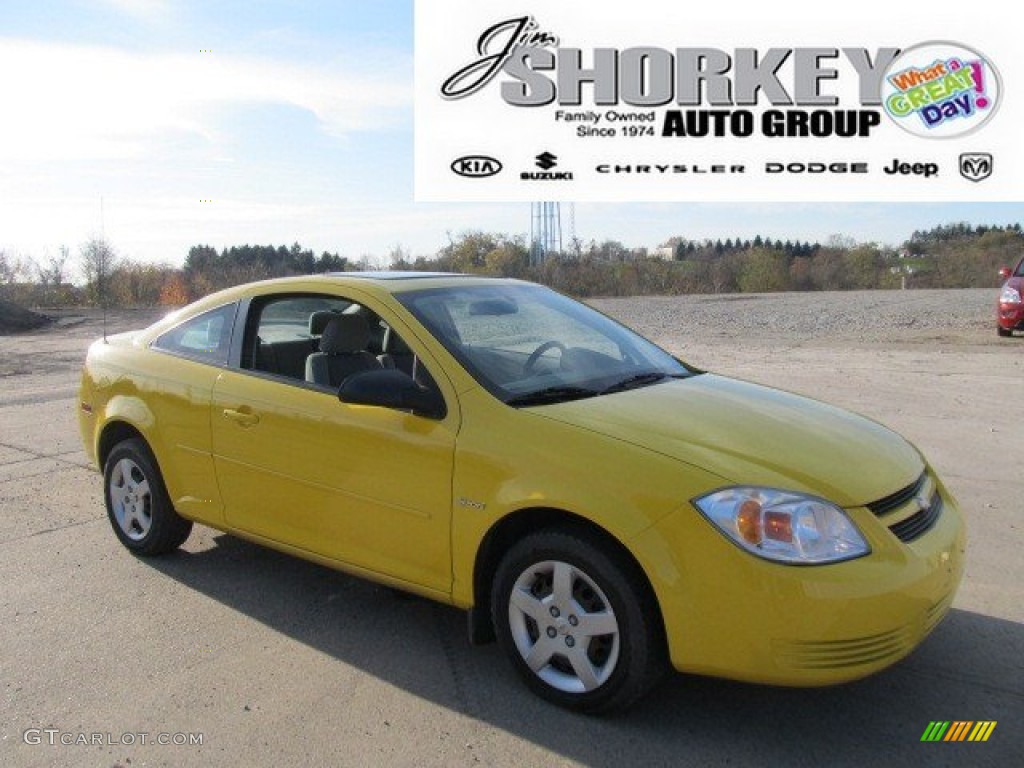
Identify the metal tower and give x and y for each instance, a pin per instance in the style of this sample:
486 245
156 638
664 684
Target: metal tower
545 231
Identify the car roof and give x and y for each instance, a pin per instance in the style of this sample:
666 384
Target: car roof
397 275
389 282
376 282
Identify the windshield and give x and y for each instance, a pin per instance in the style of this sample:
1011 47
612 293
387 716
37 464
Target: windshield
528 345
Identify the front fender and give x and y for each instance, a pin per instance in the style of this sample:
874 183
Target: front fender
510 460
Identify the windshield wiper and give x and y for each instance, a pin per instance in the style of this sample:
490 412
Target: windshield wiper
552 395
560 394
638 380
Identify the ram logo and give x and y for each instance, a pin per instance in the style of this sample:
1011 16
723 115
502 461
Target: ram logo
476 166
975 166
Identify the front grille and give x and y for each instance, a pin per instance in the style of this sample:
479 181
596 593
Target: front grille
895 501
919 522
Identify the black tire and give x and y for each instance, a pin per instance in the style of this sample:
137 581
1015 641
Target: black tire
1003 331
622 666
138 506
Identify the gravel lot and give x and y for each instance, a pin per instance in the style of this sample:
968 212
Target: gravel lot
865 317
277 661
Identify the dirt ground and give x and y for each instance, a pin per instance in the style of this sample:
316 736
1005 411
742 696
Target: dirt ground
273 661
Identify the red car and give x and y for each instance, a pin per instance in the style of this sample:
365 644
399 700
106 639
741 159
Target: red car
1010 312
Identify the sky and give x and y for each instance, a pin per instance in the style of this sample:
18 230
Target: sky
161 125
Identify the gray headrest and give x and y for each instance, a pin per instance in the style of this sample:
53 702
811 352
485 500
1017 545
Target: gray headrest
319 320
345 334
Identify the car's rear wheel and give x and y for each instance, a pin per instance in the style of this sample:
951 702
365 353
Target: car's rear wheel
1003 331
578 621
138 506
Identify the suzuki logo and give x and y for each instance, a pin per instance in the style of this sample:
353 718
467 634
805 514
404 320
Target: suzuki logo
546 161
975 166
476 166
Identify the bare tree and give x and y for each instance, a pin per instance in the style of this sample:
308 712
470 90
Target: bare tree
841 242
8 269
369 263
14 269
576 247
98 263
55 272
399 257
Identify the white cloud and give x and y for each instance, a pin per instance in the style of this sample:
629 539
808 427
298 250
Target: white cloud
146 10
92 103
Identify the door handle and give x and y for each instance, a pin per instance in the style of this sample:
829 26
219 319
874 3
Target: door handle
243 416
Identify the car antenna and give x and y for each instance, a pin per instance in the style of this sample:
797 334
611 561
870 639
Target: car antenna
103 305
101 271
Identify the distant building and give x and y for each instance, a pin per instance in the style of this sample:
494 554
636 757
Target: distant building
664 252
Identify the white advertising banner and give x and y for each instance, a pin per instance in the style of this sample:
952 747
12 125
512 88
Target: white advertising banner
727 101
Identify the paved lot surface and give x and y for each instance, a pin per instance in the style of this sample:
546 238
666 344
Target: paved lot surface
278 662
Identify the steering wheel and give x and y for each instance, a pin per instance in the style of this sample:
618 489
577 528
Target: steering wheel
531 361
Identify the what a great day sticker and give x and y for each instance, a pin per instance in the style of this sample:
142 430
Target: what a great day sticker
941 90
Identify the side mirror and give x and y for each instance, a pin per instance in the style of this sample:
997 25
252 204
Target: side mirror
389 388
1004 273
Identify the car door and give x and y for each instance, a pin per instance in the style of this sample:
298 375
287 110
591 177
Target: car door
366 486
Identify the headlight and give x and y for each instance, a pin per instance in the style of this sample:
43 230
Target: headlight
1009 296
784 526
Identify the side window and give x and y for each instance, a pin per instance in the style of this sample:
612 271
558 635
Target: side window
288 337
205 337
295 317
283 331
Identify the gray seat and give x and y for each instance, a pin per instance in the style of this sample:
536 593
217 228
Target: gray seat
342 352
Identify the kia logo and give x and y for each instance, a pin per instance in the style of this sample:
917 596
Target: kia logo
476 166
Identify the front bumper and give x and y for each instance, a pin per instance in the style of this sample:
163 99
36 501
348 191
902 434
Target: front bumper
1011 316
730 614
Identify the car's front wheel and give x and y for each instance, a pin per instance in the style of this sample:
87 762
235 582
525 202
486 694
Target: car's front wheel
1003 331
139 508
577 621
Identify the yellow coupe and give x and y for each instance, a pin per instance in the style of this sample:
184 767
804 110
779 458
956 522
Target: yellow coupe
601 508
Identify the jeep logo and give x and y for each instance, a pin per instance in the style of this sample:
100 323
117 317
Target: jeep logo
476 166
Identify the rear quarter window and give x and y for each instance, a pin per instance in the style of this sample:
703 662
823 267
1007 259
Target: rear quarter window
205 337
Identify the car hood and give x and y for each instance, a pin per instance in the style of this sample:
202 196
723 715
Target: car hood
750 434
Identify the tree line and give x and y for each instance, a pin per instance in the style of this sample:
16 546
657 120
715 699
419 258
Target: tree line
949 256
955 256
108 278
